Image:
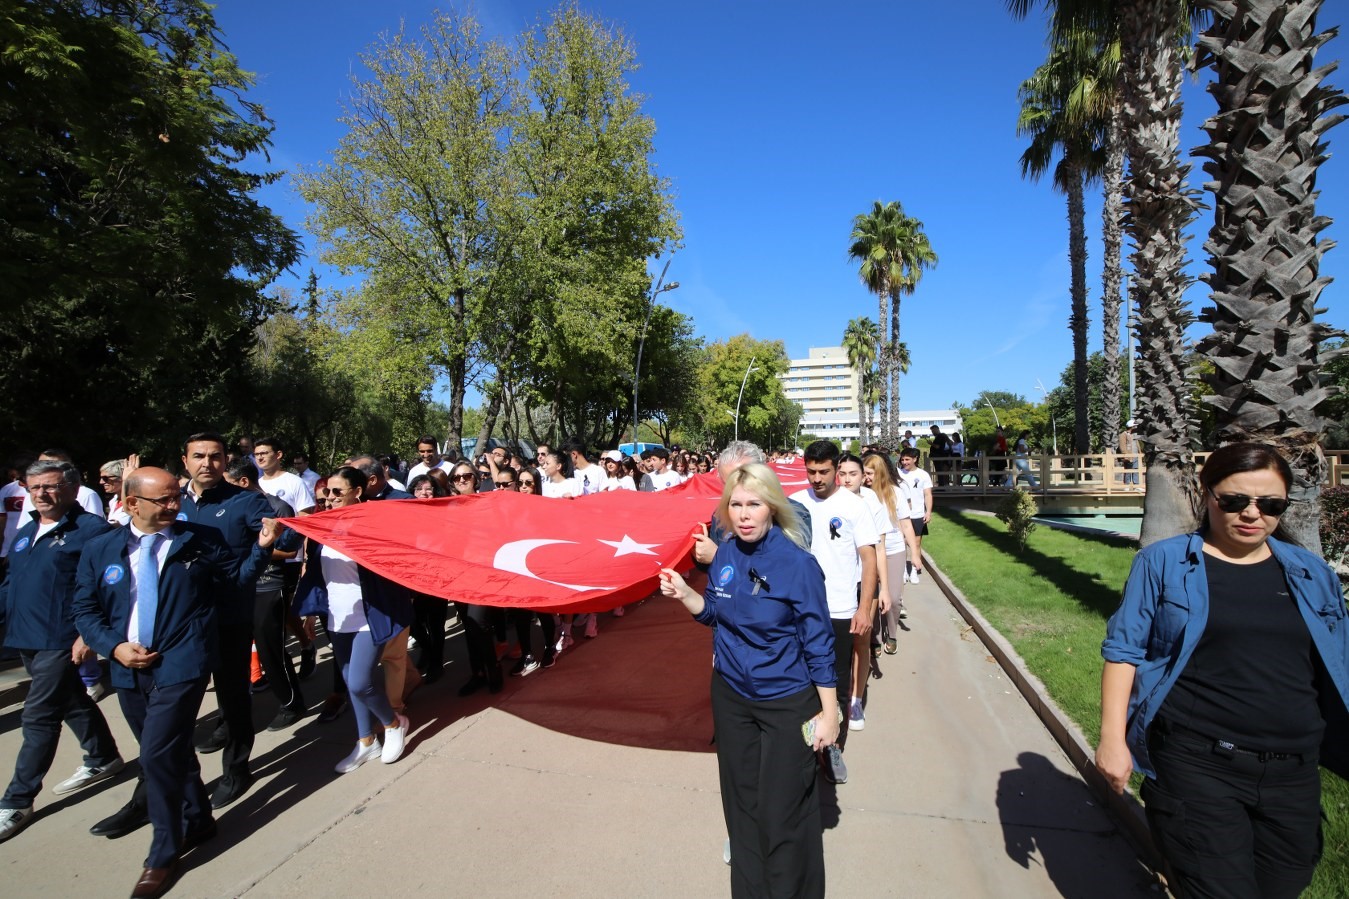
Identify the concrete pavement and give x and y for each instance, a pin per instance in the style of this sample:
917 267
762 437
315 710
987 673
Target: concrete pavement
596 778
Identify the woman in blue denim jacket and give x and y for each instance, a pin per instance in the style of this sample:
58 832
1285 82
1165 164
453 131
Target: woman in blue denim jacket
1226 681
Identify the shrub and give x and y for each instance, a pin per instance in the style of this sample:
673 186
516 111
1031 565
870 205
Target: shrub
1334 523
1017 510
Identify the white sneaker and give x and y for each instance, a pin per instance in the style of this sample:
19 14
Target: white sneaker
359 756
97 691
85 776
394 738
916 572
857 719
593 627
13 820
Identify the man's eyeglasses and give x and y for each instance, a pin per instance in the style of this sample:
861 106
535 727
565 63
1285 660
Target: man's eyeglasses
1273 506
164 502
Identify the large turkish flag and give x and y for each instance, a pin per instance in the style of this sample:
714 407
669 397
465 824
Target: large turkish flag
509 549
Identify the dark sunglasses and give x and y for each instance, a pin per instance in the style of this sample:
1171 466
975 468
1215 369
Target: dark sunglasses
1238 502
464 476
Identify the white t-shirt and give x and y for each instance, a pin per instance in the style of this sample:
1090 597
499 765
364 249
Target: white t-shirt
625 482
559 489
346 611
590 479
880 517
423 468
840 526
914 483
11 503
663 481
88 499
894 538
290 488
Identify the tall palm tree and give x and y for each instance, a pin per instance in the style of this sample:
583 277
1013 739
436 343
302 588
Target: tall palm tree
859 342
1265 144
894 252
1059 123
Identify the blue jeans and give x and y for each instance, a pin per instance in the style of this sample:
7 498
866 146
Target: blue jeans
358 655
55 694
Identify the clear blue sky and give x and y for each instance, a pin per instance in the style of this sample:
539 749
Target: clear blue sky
779 122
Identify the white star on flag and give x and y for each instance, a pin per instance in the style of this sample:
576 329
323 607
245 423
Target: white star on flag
628 546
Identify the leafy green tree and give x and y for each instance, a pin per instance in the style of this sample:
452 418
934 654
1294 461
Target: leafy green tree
893 251
766 415
131 246
1266 142
860 339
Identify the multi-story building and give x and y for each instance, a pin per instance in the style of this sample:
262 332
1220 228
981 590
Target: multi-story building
827 387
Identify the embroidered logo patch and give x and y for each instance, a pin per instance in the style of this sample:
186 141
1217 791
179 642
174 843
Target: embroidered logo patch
182 516
835 523
20 545
724 576
220 513
113 574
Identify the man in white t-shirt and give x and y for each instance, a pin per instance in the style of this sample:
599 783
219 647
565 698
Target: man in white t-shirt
843 541
429 453
11 504
659 475
276 481
589 477
916 487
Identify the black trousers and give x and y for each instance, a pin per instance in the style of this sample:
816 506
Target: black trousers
428 629
162 720
269 633
1230 825
478 631
233 691
55 694
768 793
524 620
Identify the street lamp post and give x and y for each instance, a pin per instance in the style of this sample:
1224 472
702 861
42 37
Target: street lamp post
994 411
659 288
743 382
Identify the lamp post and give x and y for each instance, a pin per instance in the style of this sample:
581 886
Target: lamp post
994 411
743 382
659 288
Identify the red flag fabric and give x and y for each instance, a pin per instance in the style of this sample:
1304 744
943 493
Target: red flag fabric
792 474
517 550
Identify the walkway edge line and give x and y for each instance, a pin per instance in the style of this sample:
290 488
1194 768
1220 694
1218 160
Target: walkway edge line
1126 810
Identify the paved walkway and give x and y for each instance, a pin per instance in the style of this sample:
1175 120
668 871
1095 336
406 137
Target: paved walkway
596 779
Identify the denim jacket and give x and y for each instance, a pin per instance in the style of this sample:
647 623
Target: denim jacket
1163 614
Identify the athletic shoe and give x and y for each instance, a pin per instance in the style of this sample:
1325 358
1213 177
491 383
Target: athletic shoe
13 820
359 756
857 719
903 612
96 691
549 658
916 573
394 738
619 612
593 627
837 769
86 776
526 666
726 851
309 659
563 642
891 647
875 650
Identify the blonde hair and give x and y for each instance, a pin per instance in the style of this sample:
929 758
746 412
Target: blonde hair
882 483
759 479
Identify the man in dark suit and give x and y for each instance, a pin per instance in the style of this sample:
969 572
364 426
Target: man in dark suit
146 598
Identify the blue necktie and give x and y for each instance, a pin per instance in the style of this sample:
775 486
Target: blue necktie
147 590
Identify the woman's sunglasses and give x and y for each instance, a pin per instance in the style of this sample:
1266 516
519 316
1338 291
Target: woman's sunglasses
1273 506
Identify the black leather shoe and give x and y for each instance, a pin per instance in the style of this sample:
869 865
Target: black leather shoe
473 685
214 743
195 836
230 788
127 819
285 718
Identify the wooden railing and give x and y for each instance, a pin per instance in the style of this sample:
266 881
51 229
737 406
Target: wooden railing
1094 473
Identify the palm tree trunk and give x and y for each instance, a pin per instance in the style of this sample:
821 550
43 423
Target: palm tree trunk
885 426
1265 147
1112 274
893 349
1159 205
1077 321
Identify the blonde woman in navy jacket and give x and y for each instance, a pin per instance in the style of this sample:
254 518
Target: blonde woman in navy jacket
1226 681
774 702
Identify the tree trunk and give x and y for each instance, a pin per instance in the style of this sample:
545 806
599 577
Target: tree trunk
1112 276
1077 320
1159 205
1265 145
884 425
489 421
458 372
892 369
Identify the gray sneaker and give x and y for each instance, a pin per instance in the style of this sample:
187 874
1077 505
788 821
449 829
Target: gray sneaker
85 776
13 820
837 768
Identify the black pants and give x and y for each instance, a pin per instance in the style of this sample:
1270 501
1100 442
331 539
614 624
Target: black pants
768 793
269 633
478 627
55 694
428 629
523 620
162 719
1232 826
233 691
843 670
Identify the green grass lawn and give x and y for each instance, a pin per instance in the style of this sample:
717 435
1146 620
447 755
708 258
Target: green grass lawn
1051 602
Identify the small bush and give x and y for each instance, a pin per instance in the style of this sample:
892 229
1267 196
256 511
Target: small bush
1017 510
1334 523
